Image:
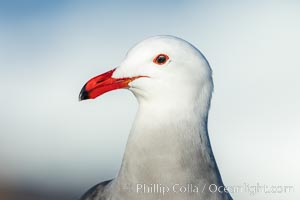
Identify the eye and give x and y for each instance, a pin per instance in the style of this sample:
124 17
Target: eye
161 59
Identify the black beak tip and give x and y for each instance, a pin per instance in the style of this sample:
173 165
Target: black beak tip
83 95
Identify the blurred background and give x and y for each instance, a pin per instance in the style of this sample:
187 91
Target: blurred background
53 147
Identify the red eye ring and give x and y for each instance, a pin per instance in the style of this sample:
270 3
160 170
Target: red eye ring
161 59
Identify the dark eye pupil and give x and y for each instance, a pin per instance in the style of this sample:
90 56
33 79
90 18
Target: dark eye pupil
161 59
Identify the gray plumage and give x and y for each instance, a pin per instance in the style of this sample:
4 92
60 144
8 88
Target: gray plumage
97 192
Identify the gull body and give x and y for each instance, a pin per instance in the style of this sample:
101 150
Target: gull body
168 147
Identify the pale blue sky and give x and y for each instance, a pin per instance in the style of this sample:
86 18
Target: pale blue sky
49 49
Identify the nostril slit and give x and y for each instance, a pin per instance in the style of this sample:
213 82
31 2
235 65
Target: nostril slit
99 81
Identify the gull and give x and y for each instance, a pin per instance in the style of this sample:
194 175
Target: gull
168 153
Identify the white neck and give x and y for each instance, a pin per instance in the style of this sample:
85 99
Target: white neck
170 145
167 137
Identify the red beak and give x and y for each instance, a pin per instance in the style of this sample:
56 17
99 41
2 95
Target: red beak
102 84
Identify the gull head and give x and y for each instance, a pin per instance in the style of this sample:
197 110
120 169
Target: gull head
163 68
